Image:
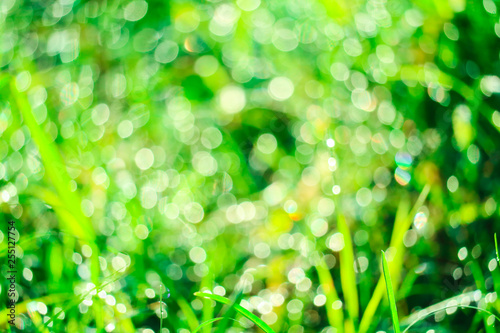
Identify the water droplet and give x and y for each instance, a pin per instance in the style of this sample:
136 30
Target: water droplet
402 177
403 160
330 143
165 292
420 220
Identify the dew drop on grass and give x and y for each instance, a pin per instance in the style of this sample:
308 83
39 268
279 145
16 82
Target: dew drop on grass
462 253
403 177
165 292
420 220
337 304
336 189
492 265
219 290
410 238
403 160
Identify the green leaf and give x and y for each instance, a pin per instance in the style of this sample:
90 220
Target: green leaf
208 311
208 322
79 226
250 316
77 299
183 304
222 326
22 307
335 316
187 311
402 223
390 294
496 247
55 263
433 312
161 308
347 274
71 217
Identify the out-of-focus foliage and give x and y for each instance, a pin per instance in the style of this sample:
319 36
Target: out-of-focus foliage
250 148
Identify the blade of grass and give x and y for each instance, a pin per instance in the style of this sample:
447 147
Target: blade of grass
209 322
449 307
347 274
390 294
474 99
407 285
476 322
249 315
75 222
495 274
176 293
161 308
378 293
496 248
186 309
56 170
335 316
402 224
188 312
208 310
23 306
222 327
124 323
477 273
79 298
29 242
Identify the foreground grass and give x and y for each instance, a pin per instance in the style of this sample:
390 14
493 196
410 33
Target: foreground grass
260 151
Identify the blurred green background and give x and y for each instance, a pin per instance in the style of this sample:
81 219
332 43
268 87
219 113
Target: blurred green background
265 151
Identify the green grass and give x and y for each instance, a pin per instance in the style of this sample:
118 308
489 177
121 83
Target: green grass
241 310
403 221
348 276
390 294
496 248
161 308
335 315
218 146
207 323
